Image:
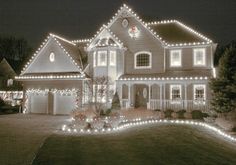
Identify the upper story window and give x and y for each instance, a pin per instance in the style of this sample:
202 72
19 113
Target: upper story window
199 57
175 58
52 57
143 60
175 92
112 58
102 58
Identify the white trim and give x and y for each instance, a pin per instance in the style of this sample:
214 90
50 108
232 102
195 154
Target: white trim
94 59
143 67
179 51
99 58
112 53
195 56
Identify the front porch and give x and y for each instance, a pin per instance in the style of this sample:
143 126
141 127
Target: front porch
155 95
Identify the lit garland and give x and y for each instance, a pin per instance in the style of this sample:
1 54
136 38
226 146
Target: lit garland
52 77
164 78
62 92
81 41
138 122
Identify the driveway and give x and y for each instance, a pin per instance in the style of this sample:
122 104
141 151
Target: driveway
22 135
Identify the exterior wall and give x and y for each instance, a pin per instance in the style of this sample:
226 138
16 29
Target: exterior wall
42 64
188 59
145 42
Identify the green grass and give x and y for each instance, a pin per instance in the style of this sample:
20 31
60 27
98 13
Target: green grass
156 144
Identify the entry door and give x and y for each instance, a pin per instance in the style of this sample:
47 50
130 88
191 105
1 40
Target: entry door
141 96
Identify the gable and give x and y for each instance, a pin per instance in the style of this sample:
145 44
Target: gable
41 63
6 69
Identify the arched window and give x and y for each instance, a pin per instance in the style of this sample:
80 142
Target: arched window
143 60
52 57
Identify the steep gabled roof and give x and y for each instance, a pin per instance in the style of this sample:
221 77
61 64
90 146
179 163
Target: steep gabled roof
163 30
69 48
175 33
5 69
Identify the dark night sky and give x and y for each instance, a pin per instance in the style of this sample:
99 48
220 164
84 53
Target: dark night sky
34 19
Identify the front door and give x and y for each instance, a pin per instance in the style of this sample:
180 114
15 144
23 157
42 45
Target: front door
141 96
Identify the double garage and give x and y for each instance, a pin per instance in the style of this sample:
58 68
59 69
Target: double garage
51 103
52 97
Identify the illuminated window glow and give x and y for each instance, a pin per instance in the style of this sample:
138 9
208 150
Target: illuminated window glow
175 92
112 58
102 58
143 60
175 58
199 57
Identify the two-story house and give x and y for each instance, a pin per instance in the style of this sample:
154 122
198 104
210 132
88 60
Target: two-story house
156 65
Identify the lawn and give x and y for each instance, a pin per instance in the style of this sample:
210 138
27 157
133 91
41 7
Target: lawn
155 144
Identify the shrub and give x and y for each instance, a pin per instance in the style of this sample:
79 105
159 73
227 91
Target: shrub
115 102
157 110
196 114
174 115
181 114
188 115
168 113
234 129
2 103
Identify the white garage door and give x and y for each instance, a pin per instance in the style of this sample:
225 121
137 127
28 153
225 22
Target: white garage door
39 103
64 104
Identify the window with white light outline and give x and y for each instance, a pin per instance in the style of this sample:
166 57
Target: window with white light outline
143 60
175 92
102 58
175 58
199 92
199 57
112 58
52 57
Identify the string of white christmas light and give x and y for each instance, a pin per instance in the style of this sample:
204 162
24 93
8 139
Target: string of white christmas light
138 122
51 77
165 78
81 41
43 44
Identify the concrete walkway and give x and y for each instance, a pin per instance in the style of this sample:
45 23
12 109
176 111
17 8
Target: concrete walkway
22 135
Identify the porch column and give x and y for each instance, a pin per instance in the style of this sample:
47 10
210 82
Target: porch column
160 96
149 96
185 97
164 96
129 95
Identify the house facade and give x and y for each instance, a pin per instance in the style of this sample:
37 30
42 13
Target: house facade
157 65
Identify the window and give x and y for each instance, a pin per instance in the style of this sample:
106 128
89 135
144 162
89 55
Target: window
199 57
52 57
9 82
199 92
112 58
143 60
175 92
102 58
94 59
175 58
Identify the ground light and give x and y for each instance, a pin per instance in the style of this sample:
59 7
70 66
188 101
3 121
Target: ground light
138 122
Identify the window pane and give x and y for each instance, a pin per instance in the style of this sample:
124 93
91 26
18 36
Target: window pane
102 58
176 92
199 57
113 58
175 58
143 60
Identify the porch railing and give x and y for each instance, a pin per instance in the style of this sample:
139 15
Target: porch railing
173 104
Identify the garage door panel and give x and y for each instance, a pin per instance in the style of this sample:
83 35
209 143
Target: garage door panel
39 104
64 104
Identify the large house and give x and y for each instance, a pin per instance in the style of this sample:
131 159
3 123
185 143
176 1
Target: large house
154 65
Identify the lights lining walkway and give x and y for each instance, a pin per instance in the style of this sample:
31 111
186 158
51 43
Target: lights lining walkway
138 122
